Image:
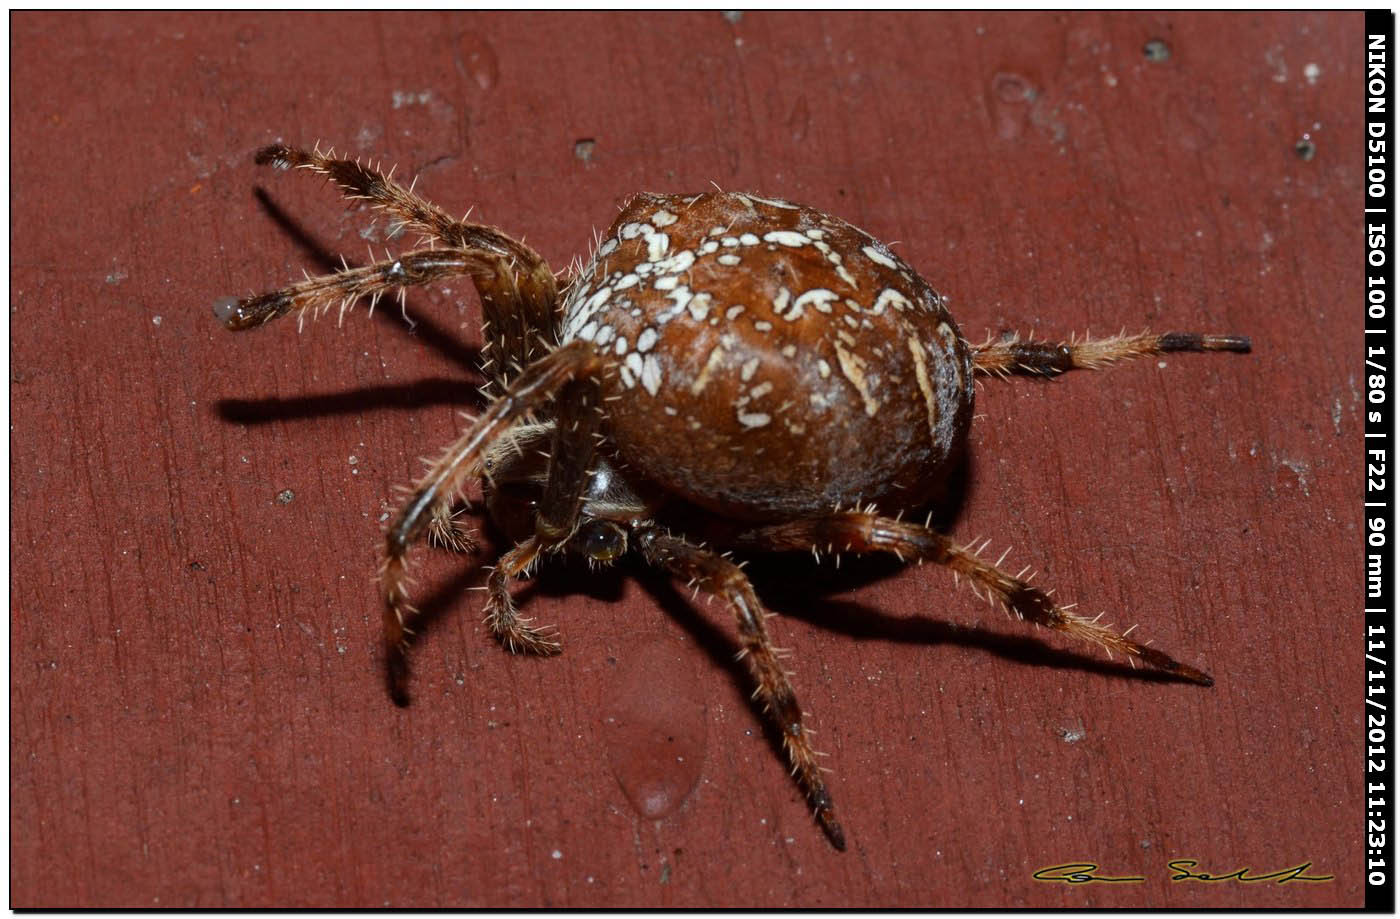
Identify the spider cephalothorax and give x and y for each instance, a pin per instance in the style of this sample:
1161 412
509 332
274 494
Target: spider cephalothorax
723 357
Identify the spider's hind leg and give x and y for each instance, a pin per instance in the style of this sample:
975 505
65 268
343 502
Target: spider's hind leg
863 532
1052 358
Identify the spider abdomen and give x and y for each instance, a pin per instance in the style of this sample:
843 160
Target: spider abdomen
768 360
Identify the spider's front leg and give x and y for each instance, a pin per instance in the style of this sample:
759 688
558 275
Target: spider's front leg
721 577
518 290
462 462
343 288
570 458
861 532
445 530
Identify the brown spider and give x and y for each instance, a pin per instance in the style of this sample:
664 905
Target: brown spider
724 364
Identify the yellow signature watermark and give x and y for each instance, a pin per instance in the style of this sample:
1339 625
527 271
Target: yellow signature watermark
1182 869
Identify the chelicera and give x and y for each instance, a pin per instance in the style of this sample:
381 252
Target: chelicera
725 367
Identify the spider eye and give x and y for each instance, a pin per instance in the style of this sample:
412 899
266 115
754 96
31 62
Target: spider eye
601 541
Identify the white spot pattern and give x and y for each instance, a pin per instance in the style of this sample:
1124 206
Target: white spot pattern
785 238
819 298
879 256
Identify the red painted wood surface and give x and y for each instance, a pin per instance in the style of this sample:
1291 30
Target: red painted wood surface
197 710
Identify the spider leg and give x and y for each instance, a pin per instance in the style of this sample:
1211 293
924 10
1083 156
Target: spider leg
1048 358
445 530
460 463
571 456
364 183
719 576
862 532
501 616
342 288
518 290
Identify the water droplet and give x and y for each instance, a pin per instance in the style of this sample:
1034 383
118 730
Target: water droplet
655 727
799 119
1012 88
477 59
1010 94
224 308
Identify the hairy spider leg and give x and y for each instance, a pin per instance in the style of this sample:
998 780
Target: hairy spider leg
578 418
518 290
865 532
445 530
458 465
343 288
721 577
1052 358
501 617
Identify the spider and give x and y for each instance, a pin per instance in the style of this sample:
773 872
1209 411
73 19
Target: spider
726 365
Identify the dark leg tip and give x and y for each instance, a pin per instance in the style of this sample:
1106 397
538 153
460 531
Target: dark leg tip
238 315
396 674
273 155
1191 341
1200 678
1168 664
831 827
1238 343
836 835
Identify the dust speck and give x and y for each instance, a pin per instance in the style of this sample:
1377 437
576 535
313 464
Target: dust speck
1073 734
1301 470
1156 50
401 99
